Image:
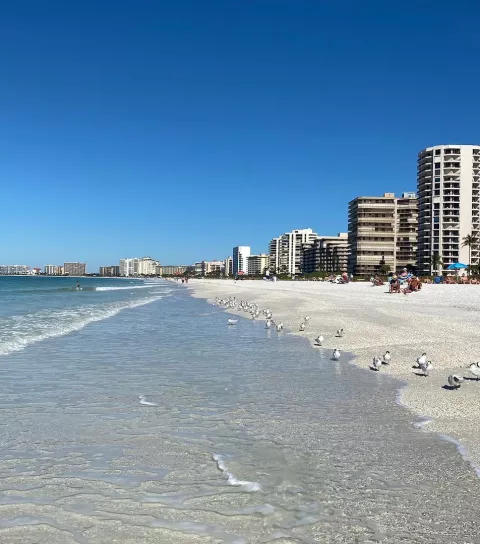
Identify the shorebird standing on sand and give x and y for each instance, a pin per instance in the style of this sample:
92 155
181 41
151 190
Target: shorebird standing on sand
386 358
340 333
426 366
302 326
421 360
475 370
319 340
455 381
376 364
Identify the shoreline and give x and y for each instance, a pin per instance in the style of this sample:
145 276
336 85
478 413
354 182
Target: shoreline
438 320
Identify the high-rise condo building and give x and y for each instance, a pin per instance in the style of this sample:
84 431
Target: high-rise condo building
326 254
145 266
286 251
53 270
228 266
240 260
14 269
74 269
172 270
257 264
110 271
382 230
448 184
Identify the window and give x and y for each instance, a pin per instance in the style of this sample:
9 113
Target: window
437 180
437 165
437 172
437 151
437 192
436 206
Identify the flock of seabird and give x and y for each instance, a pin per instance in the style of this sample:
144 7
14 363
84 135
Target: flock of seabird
423 365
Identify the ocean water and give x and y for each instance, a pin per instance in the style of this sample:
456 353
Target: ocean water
132 413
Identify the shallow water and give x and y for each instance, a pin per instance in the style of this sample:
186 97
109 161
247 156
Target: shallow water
164 424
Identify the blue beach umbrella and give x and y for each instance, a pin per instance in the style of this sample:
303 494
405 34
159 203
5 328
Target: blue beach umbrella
456 266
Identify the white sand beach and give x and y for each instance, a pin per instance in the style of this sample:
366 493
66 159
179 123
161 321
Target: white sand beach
441 320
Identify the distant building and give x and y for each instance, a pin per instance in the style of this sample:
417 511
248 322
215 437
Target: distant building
240 260
326 254
286 251
144 266
74 269
53 270
228 266
173 270
209 267
382 230
109 271
14 270
257 264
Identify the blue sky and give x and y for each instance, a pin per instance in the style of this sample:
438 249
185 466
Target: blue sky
179 129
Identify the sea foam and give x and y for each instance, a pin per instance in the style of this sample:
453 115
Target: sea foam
18 332
232 479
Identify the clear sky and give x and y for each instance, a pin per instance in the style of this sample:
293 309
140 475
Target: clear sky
179 129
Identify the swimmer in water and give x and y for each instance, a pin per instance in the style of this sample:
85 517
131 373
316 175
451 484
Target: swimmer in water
78 285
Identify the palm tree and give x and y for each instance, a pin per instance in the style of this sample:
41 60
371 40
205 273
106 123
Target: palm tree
470 240
435 261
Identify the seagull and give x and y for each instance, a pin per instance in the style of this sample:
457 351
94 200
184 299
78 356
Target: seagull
475 370
302 326
280 327
340 333
319 340
376 364
336 354
306 318
232 321
421 360
268 324
426 367
387 358
455 381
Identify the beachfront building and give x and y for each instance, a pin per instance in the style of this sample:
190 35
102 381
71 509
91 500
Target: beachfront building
448 185
257 264
212 267
14 270
53 270
109 271
240 260
326 254
74 269
382 232
144 266
285 251
172 270
228 266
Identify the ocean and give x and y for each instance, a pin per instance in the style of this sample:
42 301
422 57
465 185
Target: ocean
131 412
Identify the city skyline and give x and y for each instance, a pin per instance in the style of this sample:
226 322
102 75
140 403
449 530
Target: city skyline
130 149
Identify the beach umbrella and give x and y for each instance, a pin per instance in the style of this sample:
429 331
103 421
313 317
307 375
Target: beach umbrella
456 266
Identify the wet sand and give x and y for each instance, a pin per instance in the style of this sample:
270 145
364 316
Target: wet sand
441 320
